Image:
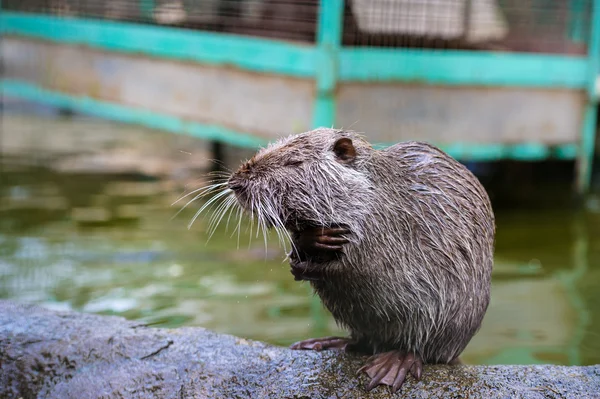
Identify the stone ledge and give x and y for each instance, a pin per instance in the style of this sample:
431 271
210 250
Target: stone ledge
47 354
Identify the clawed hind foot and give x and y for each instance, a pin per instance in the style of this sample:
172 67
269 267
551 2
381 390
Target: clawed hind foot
388 368
391 368
319 344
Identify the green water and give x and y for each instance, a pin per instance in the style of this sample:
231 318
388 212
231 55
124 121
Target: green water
108 244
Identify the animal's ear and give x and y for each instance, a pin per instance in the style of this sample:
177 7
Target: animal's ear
344 150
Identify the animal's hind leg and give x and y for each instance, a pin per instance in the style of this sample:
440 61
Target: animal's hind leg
319 344
391 368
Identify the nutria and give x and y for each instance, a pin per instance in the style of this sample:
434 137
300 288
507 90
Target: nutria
398 243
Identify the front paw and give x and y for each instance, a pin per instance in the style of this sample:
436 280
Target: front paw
301 271
320 242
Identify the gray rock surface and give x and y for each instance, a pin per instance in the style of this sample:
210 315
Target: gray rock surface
46 354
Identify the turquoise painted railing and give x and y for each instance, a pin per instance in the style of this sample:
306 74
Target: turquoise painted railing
328 63
146 8
588 134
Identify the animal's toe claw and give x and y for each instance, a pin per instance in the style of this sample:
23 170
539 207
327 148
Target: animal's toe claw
417 369
391 368
319 344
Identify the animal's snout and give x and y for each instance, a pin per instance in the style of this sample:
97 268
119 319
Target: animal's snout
238 180
235 182
241 176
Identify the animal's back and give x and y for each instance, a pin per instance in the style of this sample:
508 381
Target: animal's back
434 166
420 279
455 207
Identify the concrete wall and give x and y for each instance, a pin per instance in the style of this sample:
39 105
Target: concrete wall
396 112
265 105
270 105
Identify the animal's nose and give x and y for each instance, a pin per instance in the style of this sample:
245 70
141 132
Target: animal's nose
245 168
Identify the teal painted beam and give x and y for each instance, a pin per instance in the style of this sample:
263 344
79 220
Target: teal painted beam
329 37
577 15
458 68
147 8
254 54
594 52
590 119
127 114
493 152
329 28
518 152
588 144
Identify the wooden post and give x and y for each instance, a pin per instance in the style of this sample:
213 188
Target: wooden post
147 9
329 35
588 133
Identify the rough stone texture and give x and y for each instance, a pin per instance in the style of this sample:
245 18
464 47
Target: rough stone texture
46 354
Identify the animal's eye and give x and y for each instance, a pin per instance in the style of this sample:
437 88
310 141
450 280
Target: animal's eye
292 162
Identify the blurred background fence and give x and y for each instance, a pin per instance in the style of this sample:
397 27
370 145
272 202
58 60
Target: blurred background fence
483 79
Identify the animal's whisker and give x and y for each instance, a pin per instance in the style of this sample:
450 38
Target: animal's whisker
286 232
279 238
210 201
251 224
203 178
264 227
234 206
221 164
239 228
202 190
259 215
218 177
228 203
238 212
202 194
221 206
213 210
219 173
